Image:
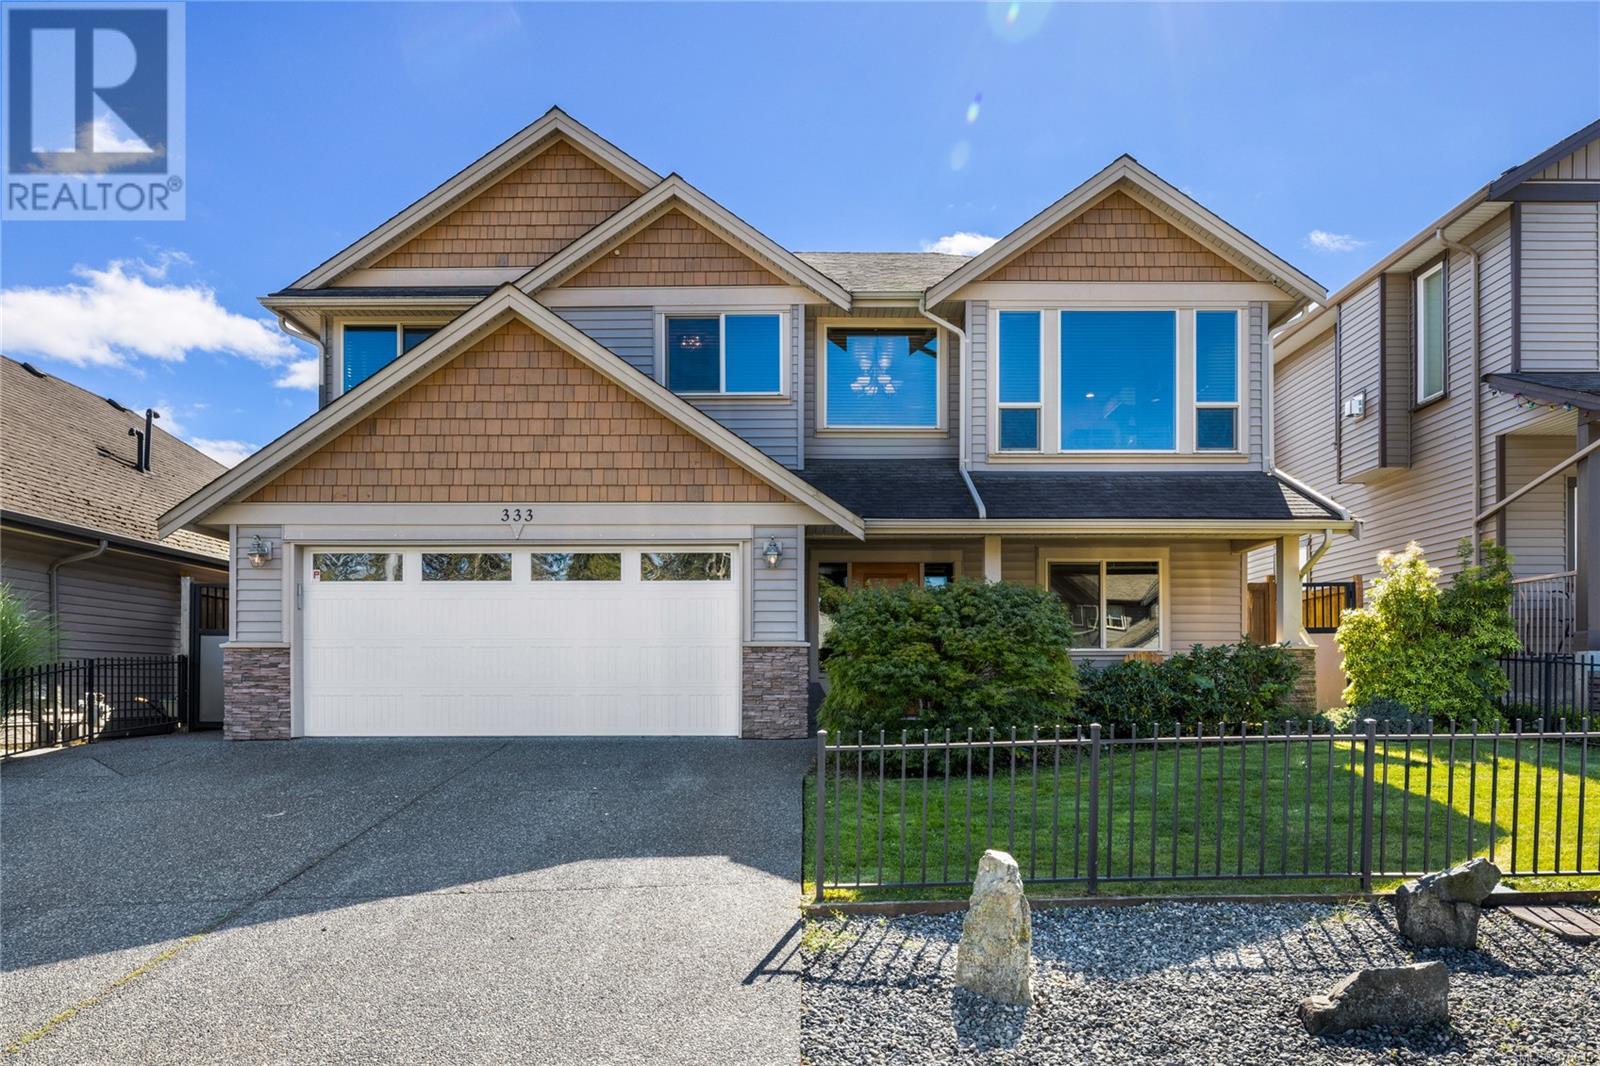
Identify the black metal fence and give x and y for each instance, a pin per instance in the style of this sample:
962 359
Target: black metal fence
1323 602
1547 688
80 700
1228 804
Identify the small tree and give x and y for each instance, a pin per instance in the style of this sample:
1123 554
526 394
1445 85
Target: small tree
969 655
27 638
1433 651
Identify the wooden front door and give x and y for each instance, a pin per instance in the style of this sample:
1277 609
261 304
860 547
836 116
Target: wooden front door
869 575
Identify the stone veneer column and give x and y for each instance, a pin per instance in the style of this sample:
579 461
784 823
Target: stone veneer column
1304 698
775 691
255 691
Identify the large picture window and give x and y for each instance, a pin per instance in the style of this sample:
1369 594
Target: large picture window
881 378
1119 380
1020 389
368 349
1430 334
725 354
1114 605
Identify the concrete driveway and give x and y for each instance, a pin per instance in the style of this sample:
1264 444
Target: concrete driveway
183 899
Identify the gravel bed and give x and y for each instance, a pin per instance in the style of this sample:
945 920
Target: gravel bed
1188 983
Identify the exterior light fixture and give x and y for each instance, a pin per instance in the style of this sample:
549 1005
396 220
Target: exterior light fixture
773 553
260 553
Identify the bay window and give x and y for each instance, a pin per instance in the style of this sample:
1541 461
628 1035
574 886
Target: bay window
724 354
880 377
1114 604
368 349
1119 381
1020 393
1430 334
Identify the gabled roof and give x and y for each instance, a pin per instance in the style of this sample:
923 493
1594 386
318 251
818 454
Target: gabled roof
1507 182
67 459
493 311
490 166
1151 189
885 273
674 193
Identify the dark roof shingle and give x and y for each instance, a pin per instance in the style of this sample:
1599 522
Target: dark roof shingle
67 458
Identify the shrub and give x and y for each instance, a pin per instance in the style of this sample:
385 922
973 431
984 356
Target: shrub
1433 652
968 655
26 637
1244 683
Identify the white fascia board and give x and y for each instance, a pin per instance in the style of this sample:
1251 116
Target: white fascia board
553 122
674 192
545 514
1127 169
487 315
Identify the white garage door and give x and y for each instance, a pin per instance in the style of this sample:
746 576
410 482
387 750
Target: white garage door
480 642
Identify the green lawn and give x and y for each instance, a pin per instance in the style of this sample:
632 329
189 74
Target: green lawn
1289 824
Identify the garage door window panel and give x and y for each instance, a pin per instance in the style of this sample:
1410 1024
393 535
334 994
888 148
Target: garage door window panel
357 566
686 566
577 566
466 566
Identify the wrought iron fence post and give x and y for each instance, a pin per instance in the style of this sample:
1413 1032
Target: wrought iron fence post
91 705
821 839
1094 809
1370 726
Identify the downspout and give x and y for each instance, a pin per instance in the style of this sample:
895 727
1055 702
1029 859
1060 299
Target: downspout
1316 556
961 403
294 329
1477 390
55 587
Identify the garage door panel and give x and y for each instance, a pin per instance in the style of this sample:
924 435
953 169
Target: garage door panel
522 657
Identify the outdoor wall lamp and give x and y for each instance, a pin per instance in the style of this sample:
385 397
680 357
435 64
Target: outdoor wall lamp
260 553
773 553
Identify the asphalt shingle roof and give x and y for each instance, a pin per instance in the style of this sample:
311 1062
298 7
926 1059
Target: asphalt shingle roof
900 488
1552 385
884 271
66 457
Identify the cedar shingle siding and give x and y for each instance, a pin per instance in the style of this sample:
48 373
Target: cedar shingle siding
1118 239
524 218
515 419
674 250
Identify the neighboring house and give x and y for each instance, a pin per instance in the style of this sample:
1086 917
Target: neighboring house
1452 391
589 442
78 517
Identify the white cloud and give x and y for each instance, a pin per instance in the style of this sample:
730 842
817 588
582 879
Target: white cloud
1323 241
226 452
301 374
960 243
114 316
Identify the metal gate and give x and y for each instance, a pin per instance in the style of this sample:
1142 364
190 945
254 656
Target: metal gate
208 629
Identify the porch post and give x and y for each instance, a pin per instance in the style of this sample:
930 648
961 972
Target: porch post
991 558
1290 604
1586 616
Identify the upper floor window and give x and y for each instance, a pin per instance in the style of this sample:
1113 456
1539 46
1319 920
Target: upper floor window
881 377
1020 403
1430 334
368 349
725 354
1216 380
1119 381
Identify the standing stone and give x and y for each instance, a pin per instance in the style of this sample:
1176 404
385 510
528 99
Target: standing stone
1442 910
995 956
1395 997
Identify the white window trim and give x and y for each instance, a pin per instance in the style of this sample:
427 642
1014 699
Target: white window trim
784 355
1001 405
399 325
1240 361
1420 336
941 372
1162 557
1050 382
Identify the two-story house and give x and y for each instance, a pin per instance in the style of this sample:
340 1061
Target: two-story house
1452 392
589 442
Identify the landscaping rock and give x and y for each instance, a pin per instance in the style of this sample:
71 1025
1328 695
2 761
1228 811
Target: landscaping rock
1394 997
995 957
1442 910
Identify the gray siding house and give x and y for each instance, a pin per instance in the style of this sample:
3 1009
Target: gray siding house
78 518
589 444
1452 391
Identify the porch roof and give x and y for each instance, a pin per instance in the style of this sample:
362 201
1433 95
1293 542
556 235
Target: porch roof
1580 388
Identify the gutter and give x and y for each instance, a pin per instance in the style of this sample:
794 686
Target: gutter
55 586
1477 387
961 424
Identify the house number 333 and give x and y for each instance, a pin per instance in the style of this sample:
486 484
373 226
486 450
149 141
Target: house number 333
516 514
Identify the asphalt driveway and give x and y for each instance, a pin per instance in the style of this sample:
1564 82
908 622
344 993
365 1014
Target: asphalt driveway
182 899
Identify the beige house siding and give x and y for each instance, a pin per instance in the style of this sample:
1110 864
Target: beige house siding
1560 286
515 419
1582 165
257 602
1537 525
524 218
673 250
1361 371
1117 239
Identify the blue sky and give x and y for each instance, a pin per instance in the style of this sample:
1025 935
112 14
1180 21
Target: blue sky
828 127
